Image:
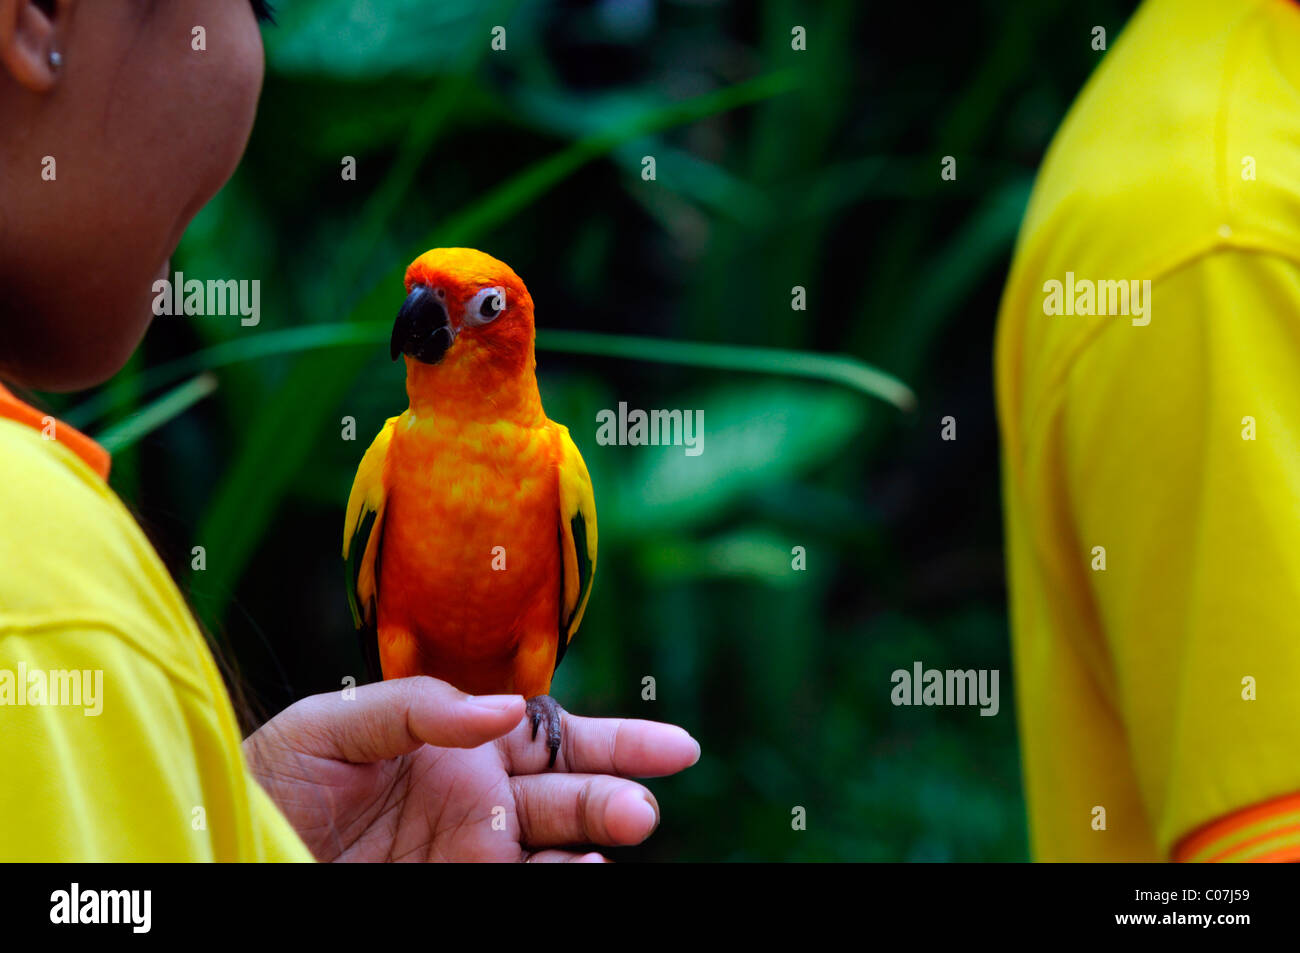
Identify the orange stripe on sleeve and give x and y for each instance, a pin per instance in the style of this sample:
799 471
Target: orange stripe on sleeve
1266 832
1286 855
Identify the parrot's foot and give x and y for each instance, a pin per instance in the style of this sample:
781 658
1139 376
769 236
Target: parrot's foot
545 709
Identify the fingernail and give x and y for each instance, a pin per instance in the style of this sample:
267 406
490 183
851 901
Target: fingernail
496 702
686 735
650 817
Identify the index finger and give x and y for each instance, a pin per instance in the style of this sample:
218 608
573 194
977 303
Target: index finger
624 747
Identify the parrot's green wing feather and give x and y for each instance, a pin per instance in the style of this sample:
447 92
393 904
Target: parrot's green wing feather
363 530
577 540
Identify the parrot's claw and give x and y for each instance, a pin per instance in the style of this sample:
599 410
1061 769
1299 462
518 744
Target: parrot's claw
544 708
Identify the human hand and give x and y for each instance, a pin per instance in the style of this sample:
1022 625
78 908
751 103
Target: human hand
412 769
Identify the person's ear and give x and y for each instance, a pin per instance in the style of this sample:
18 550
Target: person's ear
29 34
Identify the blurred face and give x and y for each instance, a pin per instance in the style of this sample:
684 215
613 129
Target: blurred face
142 130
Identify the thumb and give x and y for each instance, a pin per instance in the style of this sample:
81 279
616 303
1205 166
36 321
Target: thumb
393 718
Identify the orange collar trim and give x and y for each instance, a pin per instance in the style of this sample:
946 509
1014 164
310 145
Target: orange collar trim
95 456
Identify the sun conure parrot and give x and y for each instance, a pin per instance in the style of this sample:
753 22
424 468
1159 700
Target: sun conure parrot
470 536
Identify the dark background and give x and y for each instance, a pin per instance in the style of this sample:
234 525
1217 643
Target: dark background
775 168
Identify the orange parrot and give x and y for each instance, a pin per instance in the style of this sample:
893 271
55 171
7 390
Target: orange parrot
470 536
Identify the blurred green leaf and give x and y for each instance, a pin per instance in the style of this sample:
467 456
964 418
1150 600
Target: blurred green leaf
751 438
834 368
351 40
973 252
157 413
752 553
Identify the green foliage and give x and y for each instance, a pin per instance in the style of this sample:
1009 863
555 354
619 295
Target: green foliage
156 413
775 168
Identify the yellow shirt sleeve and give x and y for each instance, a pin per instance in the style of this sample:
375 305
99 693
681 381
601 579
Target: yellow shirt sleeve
116 735
1181 459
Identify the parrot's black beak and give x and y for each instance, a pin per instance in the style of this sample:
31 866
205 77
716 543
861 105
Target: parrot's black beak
422 329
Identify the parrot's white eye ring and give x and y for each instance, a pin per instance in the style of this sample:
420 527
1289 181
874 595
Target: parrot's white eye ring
486 306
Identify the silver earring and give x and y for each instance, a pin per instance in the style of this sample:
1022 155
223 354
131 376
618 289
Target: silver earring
56 59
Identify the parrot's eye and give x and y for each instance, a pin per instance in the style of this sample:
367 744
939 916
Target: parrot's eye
486 306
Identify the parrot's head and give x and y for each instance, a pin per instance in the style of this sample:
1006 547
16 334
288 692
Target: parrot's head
466 323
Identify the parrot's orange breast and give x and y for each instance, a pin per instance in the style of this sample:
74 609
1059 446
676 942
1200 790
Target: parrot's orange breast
470 559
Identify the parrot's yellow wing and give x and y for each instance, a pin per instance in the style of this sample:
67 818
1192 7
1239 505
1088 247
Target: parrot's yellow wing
577 540
363 528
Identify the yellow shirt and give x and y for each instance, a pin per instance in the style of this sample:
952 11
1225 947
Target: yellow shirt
117 738
1164 688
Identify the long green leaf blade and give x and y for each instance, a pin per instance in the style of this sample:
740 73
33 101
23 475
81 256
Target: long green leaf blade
157 413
